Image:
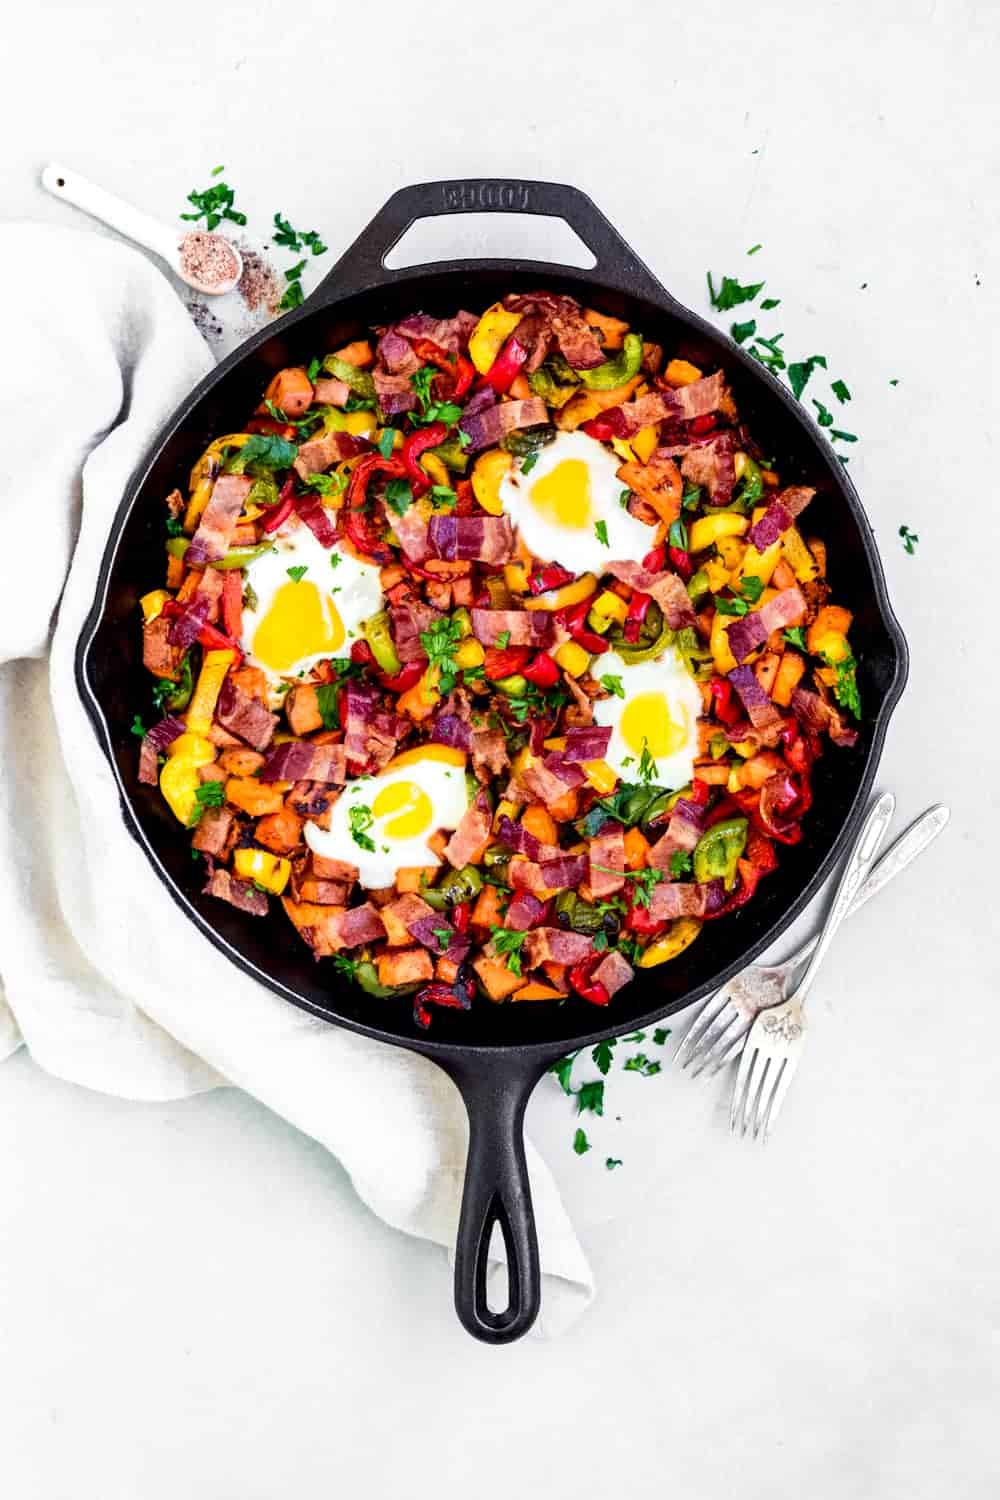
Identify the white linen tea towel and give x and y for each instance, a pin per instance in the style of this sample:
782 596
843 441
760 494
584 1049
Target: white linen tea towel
93 954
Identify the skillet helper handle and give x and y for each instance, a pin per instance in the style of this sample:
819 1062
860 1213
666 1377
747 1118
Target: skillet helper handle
363 263
497 1192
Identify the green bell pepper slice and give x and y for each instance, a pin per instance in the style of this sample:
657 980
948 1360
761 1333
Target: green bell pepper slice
241 557
529 439
543 383
359 381
378 634
366 975
718 850
452 455
649 650
617 371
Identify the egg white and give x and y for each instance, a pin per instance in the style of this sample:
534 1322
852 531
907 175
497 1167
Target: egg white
557 504
433 795
293 625
653 690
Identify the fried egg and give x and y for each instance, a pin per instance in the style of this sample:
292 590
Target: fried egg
569 501
382 823
658 715
304 602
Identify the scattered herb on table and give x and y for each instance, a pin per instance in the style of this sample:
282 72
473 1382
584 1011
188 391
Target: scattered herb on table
731 293
910 539
580 1142
214 204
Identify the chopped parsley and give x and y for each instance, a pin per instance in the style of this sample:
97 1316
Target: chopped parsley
641 1064
399 495
660 1035
528 463
443 934
612 684
754 248
845 689
385 439
215 203
910 539
601 533
209 794
327 704
361 818
690 496
611 1162
796 636
647 765
768 353
262 450
430 409
730 606
503 640
680 864
344 965
603 1053
175 526
137 727
590 1096
298 573
293 239
823 414
769 303
315 370
440 641
624 498
326 484
840 390
731 293
844 437
742 331
678 535
294 295
799 373
751 587
580 1143
509 943
443 497
645 880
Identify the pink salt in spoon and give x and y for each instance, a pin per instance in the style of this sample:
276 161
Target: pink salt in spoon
207 262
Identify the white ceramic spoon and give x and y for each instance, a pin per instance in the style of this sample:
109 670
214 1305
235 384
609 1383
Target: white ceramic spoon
186 254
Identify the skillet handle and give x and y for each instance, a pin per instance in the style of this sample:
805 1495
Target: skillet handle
495 1090
363 264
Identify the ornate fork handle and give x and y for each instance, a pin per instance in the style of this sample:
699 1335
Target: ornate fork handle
906 848
858 867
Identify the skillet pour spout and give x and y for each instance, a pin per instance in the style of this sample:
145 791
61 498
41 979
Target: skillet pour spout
496 1054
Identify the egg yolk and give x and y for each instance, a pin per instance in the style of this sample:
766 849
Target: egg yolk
646 724
407 809
563 496
300 622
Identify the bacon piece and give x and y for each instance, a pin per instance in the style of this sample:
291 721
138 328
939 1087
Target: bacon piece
244 716
450 334
552 945
216 832
587 744
329 391
687 822
521 626
215 529
395 393
564 873
357 925
613 972
304 760
779 515
488 539
757 703
666 588
409 621
396 353
607 862
673 899
489 753
816 714
468 843
359 707
316 456
549 316
452 729
314 513
749 631
525 911
159 655
486 427
239 893
711 465
546 783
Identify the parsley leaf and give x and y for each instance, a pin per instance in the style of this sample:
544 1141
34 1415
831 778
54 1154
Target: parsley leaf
590 1096
840 390
509 943
314 370
680 864
731 293
647 765
215 203
293 239
602 1054
326 484
800 372
399 495
754 248
137 727
440 641
503 640
690 496
601 533
263 450
742 331
580 1143
796 636
175 526
361 818
209 794
751 587
612 684
297 574
528 463
845 437
385 439
769 303
611 1162
678 535
640 1063
845 689
562 1070
443 497
327 704
294 296
443 935
730 606
660 1035
910 539
644 882
344 965
823 415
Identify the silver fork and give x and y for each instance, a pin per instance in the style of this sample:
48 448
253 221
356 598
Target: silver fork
717 1034
776 1038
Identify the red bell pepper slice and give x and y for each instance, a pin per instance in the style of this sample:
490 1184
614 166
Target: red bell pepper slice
418 442
700 791
600 428
460 916
283 509
586 987
655 560
505 368
372 463
552 576
232 603
727 710
461 370
543 671
700 425
358 531
407 678
500 662
215 640
682 562
271 425
638 607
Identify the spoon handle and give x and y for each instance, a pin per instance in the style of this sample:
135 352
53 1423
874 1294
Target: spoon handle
113 211
903 852
859 864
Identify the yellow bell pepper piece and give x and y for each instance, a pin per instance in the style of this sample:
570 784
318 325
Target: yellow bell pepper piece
487 475
731 550
717 574
760 564
516 577
624 450
572 658
269 870
420 700
681 372
490 334
203 475
643 444
179 779
571 593
600 776
469 654
435 469
831 644
723 658
681 935
799 558
152 603
610 606
707 530
201 710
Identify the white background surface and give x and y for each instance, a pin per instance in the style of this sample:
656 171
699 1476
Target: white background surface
192 1300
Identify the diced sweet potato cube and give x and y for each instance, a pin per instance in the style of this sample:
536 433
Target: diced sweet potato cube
302 710
404 966
497 980
280 831
240 762
254 797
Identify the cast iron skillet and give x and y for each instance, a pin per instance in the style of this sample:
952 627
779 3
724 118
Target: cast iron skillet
495 1054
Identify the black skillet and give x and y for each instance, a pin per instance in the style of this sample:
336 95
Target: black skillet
495 1054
